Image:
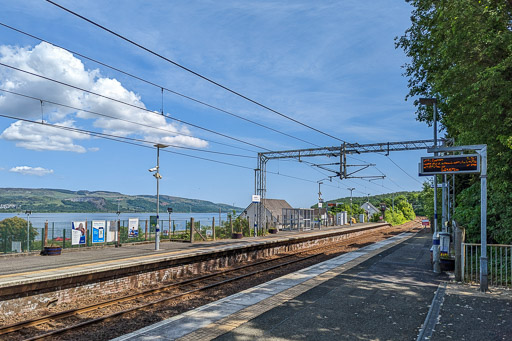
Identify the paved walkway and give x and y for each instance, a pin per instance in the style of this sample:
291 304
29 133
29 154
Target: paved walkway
384 291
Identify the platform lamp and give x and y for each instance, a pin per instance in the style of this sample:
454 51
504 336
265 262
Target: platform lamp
435 239
28 213
157 176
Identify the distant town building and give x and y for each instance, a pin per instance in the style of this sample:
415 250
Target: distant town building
7 206
273 209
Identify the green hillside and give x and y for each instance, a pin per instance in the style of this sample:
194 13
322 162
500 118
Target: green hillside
46 200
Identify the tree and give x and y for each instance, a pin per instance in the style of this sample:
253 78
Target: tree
461 53
15 229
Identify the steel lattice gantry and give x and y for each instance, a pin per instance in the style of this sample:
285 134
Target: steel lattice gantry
339 152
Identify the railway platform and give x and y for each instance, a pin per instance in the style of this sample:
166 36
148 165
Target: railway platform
23 268
384 291
29 282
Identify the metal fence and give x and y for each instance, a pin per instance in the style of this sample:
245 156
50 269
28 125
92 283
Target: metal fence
60 234
297 218
499 259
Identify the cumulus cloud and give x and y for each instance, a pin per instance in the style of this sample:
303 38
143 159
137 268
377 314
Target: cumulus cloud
26 170
55 63
42 137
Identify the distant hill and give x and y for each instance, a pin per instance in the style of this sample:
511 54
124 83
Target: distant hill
46 200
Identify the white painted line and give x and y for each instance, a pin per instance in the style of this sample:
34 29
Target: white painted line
181 325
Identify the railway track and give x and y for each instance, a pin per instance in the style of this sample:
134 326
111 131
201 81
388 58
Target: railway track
58 324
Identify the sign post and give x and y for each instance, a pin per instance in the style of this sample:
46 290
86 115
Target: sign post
256 200
460 164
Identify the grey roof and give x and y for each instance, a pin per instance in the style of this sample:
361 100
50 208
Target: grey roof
365 205
275 205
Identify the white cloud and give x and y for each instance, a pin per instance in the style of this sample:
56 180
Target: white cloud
42 137
26 170
61 65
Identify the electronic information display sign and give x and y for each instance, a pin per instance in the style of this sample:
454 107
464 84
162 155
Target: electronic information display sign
454 164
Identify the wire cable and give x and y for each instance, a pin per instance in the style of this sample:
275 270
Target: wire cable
133 106
191 71
162 88
116 118
130 141
409 175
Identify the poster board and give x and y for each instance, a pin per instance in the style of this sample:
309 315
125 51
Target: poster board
78 232
133 227
111 231
98 231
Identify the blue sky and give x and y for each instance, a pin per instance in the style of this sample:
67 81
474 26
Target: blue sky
329 64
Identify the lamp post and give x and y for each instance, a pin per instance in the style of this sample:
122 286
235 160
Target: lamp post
157 175
28 213
435 238
351 213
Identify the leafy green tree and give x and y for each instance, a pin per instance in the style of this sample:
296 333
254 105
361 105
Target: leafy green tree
15 229
461 53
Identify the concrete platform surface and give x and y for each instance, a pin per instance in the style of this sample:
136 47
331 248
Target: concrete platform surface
25 269
384 291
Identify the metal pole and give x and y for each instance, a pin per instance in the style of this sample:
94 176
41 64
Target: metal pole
453 196
256 205
157 230
28 230
483 220
448 201
444 204
118 234
368 211
435 238
351 213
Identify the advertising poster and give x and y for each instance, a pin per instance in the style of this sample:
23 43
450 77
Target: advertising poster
98 231
78 229
133 227
111 231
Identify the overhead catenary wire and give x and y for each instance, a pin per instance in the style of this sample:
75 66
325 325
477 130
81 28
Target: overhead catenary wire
133 106
191 71
124 120
409 175
162 88
126 140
